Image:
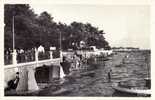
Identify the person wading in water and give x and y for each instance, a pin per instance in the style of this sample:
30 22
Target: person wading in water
109 75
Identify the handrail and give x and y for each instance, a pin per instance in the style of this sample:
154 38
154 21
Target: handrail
29 63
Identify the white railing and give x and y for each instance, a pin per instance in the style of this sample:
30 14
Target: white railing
36 62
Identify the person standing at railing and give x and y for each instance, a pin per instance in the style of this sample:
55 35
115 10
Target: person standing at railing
22 56
26 58
32 54
6 56
41 51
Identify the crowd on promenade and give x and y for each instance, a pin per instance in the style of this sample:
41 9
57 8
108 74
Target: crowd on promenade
27 55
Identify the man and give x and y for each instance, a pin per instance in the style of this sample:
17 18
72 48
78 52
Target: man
109 75
12 84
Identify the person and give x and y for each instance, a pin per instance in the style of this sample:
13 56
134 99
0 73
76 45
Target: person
109 75
41 52
76 61
12 84
65 65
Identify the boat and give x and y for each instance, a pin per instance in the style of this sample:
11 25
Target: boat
130 91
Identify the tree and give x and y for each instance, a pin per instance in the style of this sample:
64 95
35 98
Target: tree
24 25
32 30
47 30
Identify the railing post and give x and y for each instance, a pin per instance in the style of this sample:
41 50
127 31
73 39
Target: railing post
14 55
61 56
51 54
36 56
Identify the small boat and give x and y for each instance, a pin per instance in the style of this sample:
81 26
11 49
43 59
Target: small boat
132 92
129 91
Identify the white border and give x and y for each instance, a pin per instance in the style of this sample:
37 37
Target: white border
98 2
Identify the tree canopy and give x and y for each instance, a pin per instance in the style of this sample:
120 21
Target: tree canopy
32 30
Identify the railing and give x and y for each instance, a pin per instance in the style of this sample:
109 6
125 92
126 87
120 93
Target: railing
30 56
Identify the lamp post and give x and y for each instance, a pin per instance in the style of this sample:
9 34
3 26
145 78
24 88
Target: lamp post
14 51
61 73
13 32
60 43
60 40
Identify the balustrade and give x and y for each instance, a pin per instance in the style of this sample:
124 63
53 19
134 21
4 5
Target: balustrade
17 57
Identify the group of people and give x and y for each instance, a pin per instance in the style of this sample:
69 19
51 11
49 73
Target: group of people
75 63
22 55
72 63
26 55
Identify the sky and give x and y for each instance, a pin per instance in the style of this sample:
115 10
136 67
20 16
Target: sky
124 25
